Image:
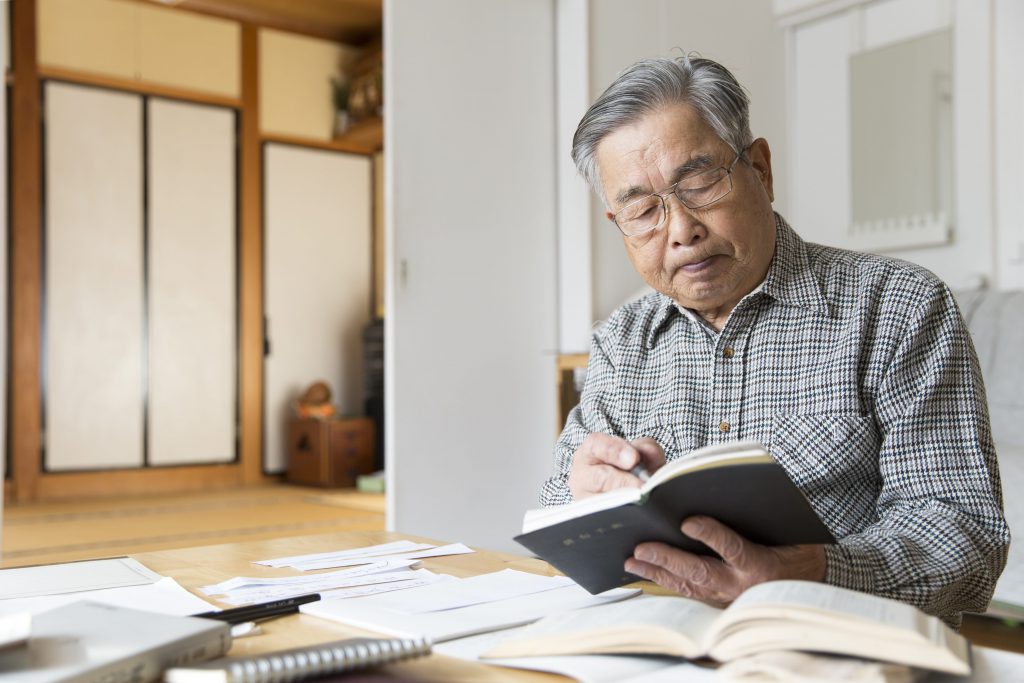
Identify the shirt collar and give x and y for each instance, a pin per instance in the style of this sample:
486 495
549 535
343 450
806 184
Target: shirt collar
789 280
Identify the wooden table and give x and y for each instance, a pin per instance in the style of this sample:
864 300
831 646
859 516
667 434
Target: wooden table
205 565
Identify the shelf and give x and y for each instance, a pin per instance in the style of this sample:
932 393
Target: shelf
365 137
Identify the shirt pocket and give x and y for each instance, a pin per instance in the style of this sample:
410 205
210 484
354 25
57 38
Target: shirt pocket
823 452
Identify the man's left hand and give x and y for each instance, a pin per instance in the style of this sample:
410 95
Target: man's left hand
720 581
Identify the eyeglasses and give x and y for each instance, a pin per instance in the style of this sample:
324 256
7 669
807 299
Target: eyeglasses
693 192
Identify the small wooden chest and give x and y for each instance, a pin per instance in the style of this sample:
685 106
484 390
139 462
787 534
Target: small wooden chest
329 452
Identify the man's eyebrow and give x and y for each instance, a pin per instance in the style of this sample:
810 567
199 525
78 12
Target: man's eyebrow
701 162
694 164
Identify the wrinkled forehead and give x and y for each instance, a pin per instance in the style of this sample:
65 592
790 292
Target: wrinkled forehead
654 152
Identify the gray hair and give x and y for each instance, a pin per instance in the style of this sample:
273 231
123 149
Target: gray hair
650 84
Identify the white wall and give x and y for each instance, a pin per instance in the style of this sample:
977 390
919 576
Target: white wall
471 223
986 244
741 34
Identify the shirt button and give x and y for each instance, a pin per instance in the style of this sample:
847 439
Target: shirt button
723 426
728 352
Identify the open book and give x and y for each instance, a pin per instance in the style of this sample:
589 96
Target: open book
778 615
739 484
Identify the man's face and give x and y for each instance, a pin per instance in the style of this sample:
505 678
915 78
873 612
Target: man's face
705 259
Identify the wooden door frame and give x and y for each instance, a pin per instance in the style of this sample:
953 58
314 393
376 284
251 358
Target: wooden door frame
28 480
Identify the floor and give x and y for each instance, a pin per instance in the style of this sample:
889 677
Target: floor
35 533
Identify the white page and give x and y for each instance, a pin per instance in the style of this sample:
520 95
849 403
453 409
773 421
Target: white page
362 591
457 623
823 598
240 582
683 672
164 596
679 615
988 666
584 668
71 577
270 593
15 629
380 549
451 549
484 588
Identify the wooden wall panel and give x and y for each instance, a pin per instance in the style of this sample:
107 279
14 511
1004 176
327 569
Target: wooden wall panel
94 318
97 36
186 50
192 294
318 255
295 84
146 44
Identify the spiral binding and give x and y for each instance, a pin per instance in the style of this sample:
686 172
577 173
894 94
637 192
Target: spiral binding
317 660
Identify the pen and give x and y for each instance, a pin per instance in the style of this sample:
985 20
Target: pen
640 472
264 610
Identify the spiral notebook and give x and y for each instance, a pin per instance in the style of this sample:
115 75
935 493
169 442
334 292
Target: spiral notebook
303 662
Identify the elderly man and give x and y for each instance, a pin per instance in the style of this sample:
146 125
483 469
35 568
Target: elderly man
855 370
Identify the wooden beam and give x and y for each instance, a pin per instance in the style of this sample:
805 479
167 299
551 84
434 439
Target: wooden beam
25 255
250 249
128 85
357 25
364 143
63 485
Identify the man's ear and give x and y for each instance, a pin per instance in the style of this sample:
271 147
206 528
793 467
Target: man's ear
760 155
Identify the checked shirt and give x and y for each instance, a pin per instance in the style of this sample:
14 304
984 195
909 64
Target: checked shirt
858 374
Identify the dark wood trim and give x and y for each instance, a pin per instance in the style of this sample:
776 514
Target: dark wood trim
25 255
57 485
250 249
243 14
362 138
140 87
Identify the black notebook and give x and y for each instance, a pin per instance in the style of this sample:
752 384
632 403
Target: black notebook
739 484
303 662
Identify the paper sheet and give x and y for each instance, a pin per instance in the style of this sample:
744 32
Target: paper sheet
164 596
244 582
15 629
451 549
475 590
72 577
583 668
427 578
445 625
380 549
270 593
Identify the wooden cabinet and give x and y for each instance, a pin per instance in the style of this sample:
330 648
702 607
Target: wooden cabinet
330 452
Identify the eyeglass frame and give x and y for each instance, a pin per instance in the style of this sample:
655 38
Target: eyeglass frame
672 190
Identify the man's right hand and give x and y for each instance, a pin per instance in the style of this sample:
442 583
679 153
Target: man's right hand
603 462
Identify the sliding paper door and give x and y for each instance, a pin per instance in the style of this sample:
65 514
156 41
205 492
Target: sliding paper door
192 293
317 216
140 295
93 364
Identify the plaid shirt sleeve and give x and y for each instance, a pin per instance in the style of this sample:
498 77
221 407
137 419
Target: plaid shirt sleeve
593 414
940 540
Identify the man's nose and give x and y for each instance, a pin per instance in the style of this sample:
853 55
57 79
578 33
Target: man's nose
683 226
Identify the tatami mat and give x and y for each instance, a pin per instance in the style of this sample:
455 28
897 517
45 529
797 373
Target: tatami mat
70 530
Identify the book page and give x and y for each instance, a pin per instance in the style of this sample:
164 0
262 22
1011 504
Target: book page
721 455
803 615
631 626
822 597
544 517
